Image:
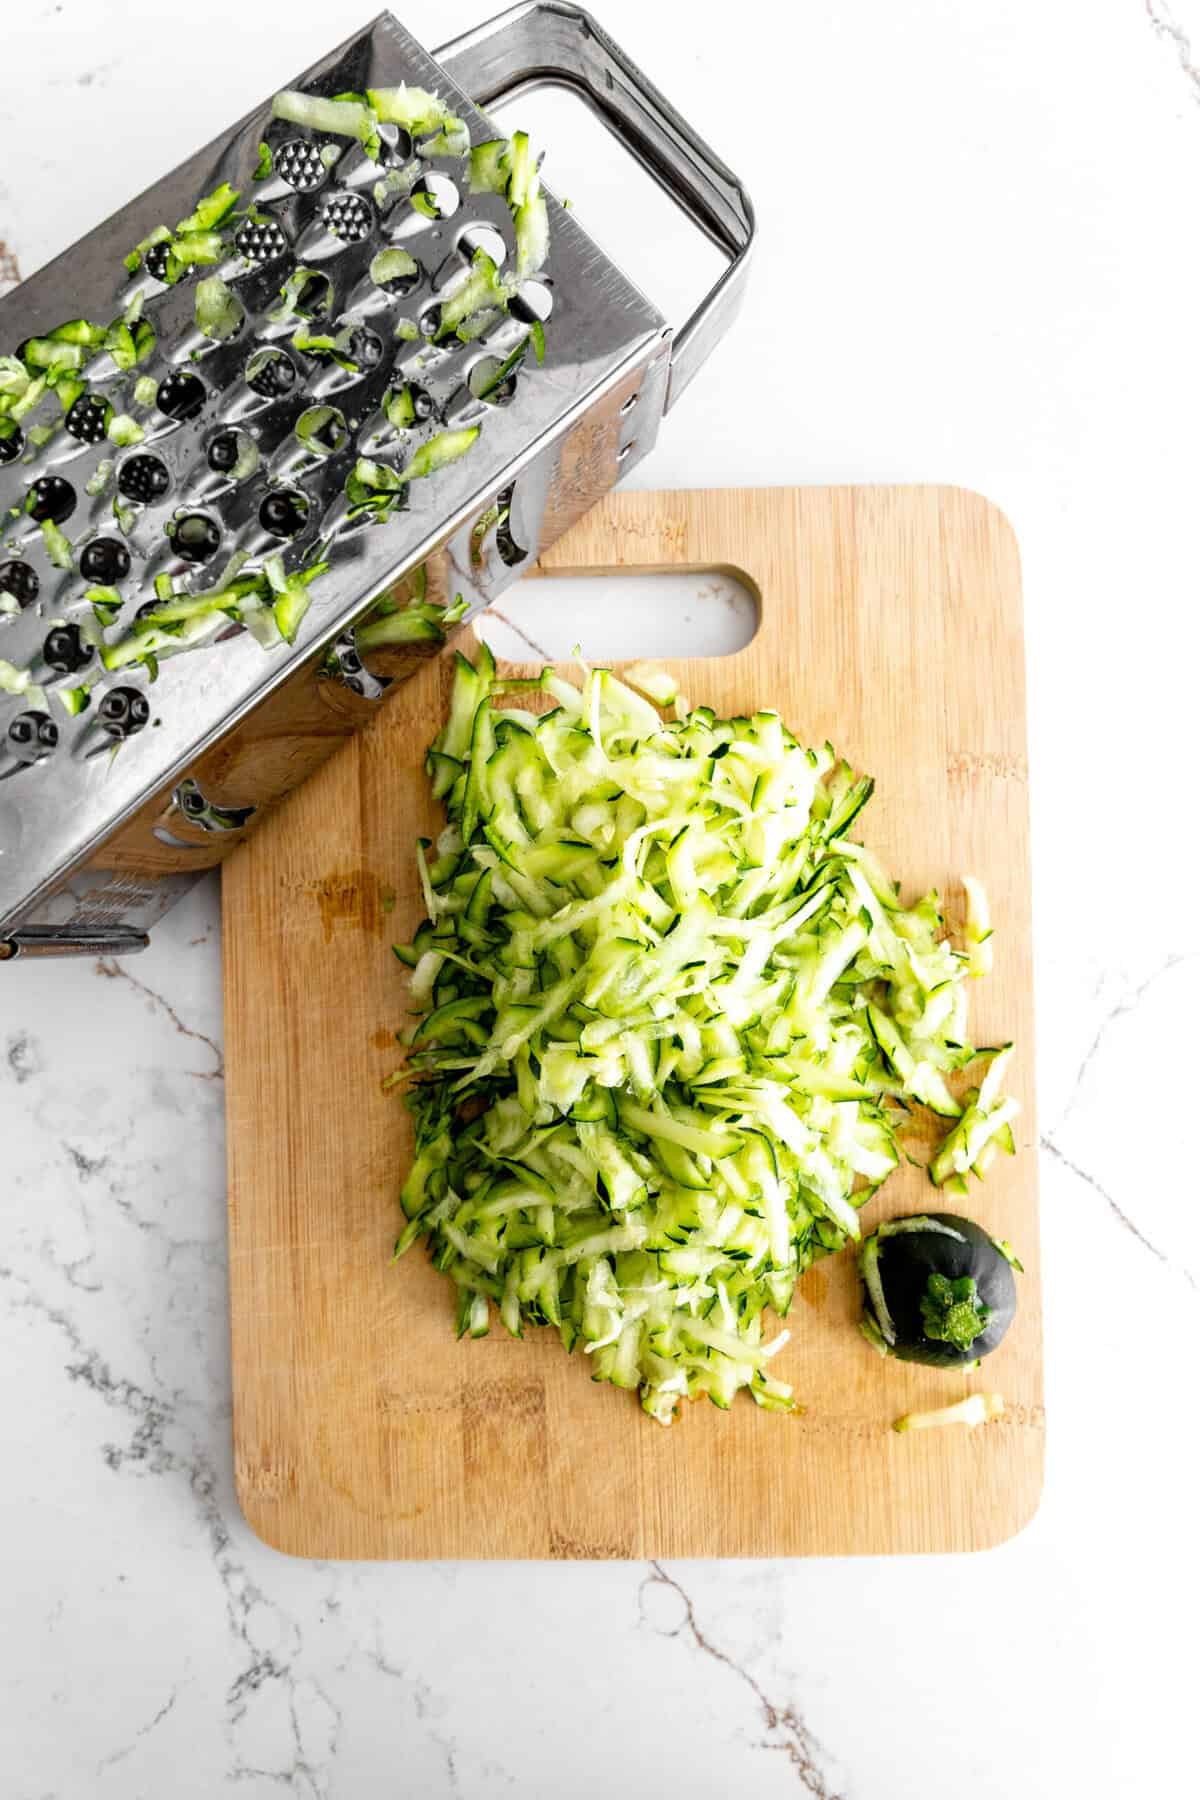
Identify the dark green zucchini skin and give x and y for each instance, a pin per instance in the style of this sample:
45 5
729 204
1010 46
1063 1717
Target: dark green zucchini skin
907 1259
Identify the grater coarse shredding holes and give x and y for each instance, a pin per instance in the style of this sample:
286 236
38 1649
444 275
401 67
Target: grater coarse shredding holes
372 372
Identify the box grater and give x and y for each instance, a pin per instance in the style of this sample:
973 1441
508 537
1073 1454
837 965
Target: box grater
120 786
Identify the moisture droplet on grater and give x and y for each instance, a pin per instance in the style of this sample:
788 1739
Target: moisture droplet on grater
271 373
195 537
105 560
348 216
181 395
65 650
88 419
300 164
11 445
144 478
50 499
21 581
261 240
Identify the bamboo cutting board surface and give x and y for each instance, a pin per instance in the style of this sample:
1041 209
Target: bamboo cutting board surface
891 624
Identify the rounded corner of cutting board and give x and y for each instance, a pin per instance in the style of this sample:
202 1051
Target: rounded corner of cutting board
971 501
273 1525
875 600
1024 1505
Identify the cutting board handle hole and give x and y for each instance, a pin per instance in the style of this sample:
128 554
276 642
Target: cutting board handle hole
617 616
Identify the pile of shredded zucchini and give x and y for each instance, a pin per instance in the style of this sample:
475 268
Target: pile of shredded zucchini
670 1022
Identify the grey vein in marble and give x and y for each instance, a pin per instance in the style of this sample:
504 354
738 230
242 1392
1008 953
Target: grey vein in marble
23 1057
116 1756
115 971
1172 33
518 631
1117 1210
788 1734
1127 1004
422 1698
160 1444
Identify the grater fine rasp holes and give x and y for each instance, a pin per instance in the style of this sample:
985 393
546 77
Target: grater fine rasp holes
181 395
349 217
299 162
88 419
31 736
51 500
261 240
144 479
20 580
155 260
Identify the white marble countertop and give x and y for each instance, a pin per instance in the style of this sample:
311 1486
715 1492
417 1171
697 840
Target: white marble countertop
979 264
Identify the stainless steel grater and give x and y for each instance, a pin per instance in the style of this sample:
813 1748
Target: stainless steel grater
108 813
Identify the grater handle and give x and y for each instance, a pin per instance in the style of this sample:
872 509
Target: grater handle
544 42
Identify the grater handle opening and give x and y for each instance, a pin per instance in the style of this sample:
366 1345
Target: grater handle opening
552 43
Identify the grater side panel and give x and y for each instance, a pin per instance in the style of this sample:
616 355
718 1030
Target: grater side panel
285 739
57 815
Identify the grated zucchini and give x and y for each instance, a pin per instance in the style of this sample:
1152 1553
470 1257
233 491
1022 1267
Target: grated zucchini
668 1020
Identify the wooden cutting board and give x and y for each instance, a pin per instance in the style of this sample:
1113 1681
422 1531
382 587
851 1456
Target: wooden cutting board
891 624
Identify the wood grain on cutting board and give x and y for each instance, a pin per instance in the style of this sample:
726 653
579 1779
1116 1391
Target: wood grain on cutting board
891 624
